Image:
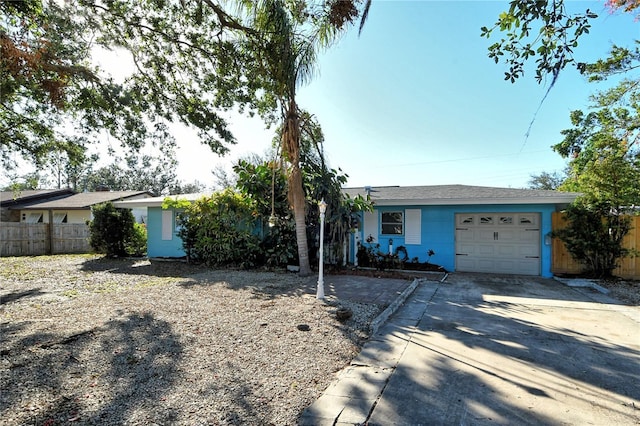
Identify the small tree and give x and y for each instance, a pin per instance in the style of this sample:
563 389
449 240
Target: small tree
594 237
114 233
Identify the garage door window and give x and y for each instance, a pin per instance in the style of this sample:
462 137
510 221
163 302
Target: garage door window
466 220
392 223
506 220
486 220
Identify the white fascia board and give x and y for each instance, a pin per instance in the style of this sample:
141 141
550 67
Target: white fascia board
130 204
156 201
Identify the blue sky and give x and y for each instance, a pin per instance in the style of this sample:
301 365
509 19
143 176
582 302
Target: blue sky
415 100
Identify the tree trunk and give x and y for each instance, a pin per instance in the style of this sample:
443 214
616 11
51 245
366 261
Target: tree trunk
291 150
296 193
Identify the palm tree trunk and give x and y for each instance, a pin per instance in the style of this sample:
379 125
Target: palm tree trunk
291 150
296 193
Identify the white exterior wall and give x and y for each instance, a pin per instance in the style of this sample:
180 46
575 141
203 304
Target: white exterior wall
73 216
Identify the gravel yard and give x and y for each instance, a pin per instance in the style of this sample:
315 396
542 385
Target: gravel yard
88 340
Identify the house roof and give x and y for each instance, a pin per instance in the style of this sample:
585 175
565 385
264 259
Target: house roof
459 195
157 201
84 200
14 198
417 195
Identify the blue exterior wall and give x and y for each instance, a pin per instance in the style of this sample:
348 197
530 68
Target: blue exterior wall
156 246
438 231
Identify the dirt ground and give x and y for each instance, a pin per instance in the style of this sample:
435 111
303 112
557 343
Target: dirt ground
89 340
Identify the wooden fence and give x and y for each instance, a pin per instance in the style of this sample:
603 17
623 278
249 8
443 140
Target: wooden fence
563 263
33 239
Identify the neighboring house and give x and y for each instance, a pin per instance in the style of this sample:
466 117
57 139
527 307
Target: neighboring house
470 228
74 208
162 226
11 200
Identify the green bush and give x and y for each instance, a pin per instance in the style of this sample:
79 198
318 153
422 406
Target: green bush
113 232
594 236
137 246
278 248
219 231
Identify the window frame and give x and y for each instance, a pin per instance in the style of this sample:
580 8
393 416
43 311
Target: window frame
383 222
60 217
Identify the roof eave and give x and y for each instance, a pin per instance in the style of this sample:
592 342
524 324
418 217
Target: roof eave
52 208
131 204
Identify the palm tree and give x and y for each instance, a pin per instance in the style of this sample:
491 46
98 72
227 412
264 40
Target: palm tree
286 47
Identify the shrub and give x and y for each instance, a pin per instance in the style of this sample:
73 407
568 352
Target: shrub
279 245
137 246
594 237
219 231
113 231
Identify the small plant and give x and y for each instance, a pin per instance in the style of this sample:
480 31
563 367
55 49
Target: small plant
70 293
429 254
367 255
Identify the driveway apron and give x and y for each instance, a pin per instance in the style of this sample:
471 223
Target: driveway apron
482 349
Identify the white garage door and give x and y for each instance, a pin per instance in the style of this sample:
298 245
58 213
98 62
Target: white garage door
507 243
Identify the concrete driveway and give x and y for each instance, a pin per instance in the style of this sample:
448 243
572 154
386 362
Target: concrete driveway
482 349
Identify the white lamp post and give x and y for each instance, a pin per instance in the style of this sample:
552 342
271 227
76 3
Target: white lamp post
320 292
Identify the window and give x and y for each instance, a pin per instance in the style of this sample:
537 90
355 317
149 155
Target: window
59 218
391 223
34 218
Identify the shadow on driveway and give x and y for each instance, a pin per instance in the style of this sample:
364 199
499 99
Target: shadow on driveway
494 350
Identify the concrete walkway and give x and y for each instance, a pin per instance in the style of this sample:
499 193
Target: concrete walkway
482 349
379 291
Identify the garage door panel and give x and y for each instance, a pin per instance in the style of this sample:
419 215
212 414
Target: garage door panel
532 237
498 242
507 251
475 235
506 235
464 234
485 250
528 251
484 235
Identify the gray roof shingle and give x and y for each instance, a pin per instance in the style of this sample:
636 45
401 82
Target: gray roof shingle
459 194
13 198
85 200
